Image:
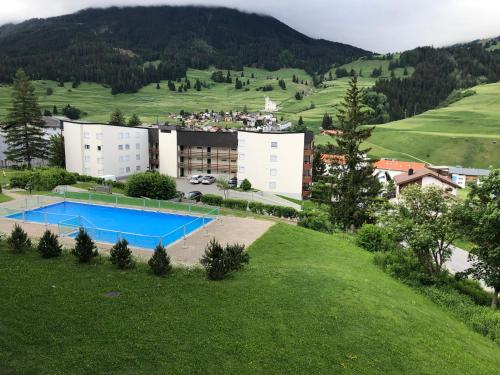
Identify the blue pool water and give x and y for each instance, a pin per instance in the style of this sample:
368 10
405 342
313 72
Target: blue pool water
108 224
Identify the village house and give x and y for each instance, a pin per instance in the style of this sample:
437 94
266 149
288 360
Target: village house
424 177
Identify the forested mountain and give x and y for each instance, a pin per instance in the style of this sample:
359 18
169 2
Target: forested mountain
111 46
438 73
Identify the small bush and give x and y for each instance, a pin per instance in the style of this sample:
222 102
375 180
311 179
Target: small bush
236 257
42 178
151 185
121 256
212 199
18 240
257 208
49 246
245 185
236 204
160 261
85 248
373 238
214 260
316 219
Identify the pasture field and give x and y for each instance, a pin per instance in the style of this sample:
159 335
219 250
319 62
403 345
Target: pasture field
308 303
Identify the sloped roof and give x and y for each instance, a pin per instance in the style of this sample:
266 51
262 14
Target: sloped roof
397 165
405 178
469 171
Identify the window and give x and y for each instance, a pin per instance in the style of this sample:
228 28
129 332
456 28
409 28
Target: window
127 157
86 135
138 135
137 146
120 135
138 168
98 136
100 172
87 147
274 158
120 147
121 158
274 144
126 135
100 160
122 171
86 170
272 185
273 172
137 157
241 156
127 169
99 148
127 147
86 158
241 169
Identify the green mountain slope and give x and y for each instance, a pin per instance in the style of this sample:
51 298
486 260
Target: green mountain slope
309 303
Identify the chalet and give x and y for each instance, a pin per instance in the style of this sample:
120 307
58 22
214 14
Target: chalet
387 169
462 176
424 177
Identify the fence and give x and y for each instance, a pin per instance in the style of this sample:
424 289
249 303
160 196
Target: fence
31 209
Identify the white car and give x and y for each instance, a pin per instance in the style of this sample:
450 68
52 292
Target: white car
208 180
196 179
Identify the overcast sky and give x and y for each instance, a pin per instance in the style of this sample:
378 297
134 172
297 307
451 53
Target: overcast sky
376 25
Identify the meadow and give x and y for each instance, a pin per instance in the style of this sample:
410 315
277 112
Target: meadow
307 303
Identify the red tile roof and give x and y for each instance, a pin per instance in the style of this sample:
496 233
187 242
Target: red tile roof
329 159
396 165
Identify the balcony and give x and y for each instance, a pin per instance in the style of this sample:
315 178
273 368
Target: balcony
306 179
307 165
308 152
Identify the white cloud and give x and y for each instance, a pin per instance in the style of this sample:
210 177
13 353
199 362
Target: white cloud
378 25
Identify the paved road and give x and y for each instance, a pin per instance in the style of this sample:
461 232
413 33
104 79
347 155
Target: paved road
184 186
459 262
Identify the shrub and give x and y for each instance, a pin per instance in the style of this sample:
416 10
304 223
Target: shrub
237 204
236 257
151 185
245 185
121 256
42 178
18 240
85 248
212 199
257 208
49 246
160 261
214 260
317 219
373 238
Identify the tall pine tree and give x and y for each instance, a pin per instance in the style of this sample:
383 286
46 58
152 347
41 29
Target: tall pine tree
117 117
25 135
353 186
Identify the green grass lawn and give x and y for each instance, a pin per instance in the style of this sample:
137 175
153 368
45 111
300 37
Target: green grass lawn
4 198
308 303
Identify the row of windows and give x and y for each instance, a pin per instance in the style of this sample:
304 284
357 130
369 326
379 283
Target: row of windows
273 172
127 157
87 147
127 146
272 158
242 141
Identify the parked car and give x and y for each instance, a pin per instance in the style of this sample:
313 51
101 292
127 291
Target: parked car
208 180
196 179
232 182
194 195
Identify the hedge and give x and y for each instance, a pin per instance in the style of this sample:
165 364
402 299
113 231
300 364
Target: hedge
212 199
42 178
237 204
99 180
261 208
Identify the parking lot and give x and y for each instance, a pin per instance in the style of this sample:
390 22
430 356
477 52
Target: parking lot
184 186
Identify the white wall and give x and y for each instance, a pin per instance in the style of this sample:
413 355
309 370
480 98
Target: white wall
284 174
431 181
98 150
167 146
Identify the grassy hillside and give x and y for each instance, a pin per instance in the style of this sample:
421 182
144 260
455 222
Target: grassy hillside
308 303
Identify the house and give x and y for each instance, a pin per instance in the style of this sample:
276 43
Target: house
269 106
101 150
460 175
277 162
424 177
387 169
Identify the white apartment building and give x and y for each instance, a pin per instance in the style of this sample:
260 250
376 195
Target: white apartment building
102 150
276 162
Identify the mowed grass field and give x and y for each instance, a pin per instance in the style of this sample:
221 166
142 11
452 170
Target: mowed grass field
309 303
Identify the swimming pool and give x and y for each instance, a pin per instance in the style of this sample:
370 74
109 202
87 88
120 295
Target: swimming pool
141 228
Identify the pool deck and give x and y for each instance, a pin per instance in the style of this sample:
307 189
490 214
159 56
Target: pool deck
226 229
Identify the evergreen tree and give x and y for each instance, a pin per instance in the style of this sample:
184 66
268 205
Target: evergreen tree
158 86
197 85
405 71
301 121
282 84
160 261
319 167
18 240
57 155
117 117
120 255
49 246
55 111
228 77
85 248
188 84
171 85
238 84
134 120
24 135
214 261
353 186
327 123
